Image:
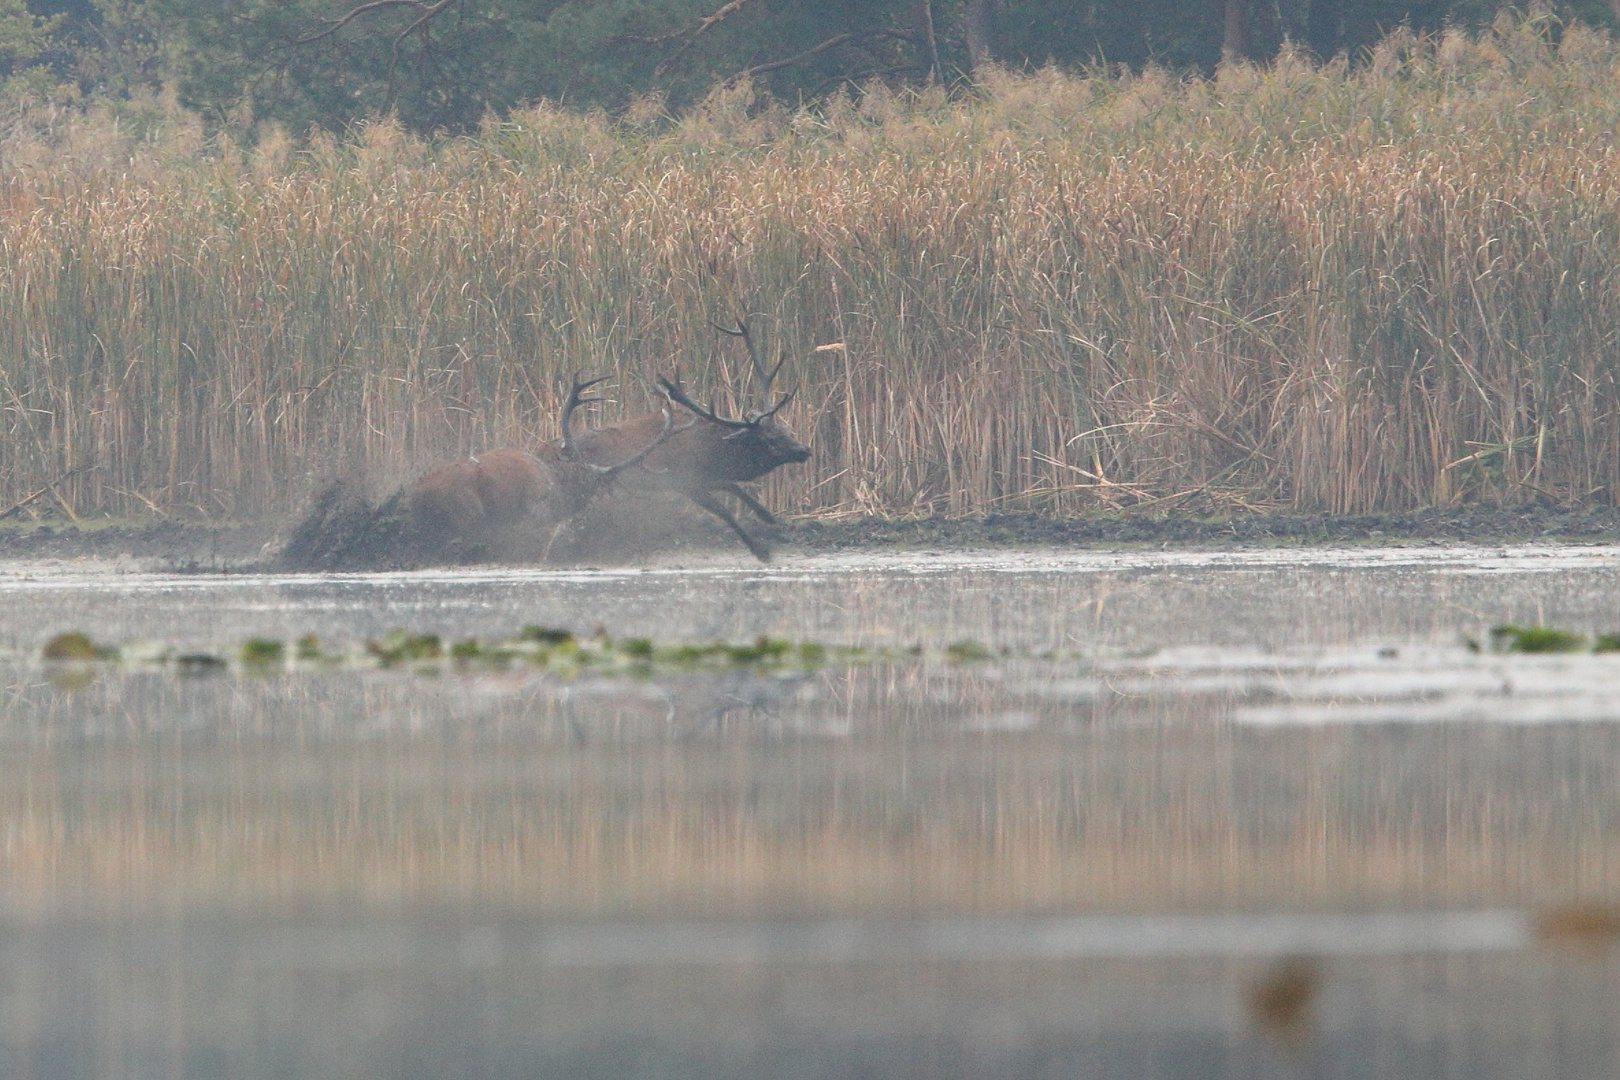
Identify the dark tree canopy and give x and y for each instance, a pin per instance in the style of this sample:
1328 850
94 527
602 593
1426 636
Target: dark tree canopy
445 64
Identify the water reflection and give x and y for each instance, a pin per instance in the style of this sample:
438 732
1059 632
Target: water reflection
907 787
907 867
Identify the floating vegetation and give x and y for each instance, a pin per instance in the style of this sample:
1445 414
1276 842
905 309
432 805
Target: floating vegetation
400 647
534 647
263 652
1535 639
75 646
545 635
309 648
193 664
966 651
70 657
465 652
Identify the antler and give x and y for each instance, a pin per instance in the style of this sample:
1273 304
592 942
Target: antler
761 376
576 398
672 390
570 453
774 409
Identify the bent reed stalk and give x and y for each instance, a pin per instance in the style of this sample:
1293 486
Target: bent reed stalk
1331 288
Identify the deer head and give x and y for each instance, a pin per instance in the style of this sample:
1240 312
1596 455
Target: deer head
755 444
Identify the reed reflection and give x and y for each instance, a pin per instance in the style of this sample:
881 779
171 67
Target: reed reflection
888 788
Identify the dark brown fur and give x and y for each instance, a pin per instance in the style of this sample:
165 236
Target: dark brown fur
511 504
477 507
504 504
480 501
701 457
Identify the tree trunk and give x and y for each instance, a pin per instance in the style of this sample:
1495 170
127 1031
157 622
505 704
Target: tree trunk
1325 28
978 19
924 18
1235 41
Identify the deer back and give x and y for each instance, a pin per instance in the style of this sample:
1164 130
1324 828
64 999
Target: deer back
474 497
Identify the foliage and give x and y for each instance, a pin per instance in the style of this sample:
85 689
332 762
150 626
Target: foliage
442 65
555 651
1536 639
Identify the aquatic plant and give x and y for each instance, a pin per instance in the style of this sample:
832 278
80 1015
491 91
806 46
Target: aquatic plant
262 652
540 648
545 635
195 664
401 646
966 651
75 645
1535 639
465 651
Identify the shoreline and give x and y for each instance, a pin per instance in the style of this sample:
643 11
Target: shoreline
203 547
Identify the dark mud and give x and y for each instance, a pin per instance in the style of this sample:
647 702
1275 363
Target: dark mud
204 547
174 544
1477 525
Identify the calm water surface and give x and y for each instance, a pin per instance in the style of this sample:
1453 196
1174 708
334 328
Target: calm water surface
1182 779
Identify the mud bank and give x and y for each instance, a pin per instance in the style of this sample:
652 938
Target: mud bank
174 544
1477 525
203 547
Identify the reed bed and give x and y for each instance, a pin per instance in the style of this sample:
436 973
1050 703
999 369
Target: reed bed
1328 288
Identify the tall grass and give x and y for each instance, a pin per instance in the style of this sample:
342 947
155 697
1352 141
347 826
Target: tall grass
1328 288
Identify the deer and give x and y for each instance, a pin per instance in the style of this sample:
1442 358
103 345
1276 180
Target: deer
709 454
489 501
479 506
486 504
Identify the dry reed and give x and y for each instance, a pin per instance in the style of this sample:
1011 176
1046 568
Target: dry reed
1328 288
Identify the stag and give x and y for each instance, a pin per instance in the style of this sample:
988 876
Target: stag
487 506
488 503
710 454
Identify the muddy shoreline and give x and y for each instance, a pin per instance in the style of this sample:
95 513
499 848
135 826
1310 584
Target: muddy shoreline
204 547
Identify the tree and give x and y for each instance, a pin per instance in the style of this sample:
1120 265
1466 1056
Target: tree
1235 30
978 32
445 64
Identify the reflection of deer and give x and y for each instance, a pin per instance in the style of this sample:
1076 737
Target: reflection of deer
709 453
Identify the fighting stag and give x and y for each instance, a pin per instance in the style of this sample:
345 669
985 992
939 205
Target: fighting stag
710 454
490 506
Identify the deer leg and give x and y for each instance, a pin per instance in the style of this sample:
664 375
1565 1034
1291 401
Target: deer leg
714 506
747 499
545 556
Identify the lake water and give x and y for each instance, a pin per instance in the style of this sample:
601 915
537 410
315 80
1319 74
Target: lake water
1186 814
